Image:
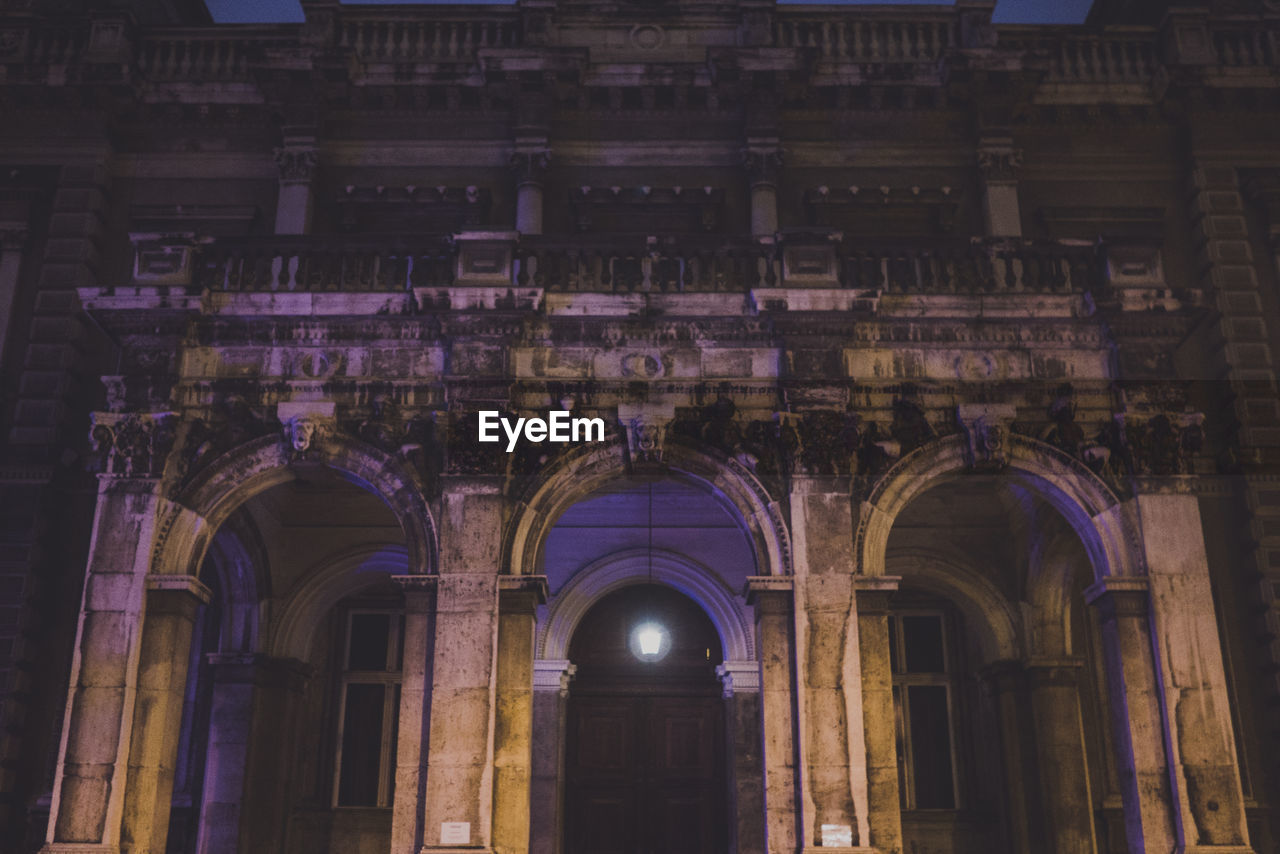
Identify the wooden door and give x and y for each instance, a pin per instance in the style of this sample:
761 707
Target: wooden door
644 775
644 763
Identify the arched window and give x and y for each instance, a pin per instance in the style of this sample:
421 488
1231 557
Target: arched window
369 703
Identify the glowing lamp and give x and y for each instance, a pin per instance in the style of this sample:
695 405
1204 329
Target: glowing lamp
650 642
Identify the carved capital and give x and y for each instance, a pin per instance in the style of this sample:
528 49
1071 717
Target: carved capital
986 427
1164 443
762 165
296 161
132 444
646 429
530 166
739 677
553 674
1118 597
999 162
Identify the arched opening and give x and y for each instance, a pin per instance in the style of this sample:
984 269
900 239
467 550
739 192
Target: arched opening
667 550
645 768
998 681
290 714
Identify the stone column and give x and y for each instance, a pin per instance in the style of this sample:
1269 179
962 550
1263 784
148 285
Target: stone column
518 599
415 712
763 162
529 164
251 722
171 604
772 598
551 679
89 788
1134 696
1066 802
833 754
884 809
1195 701
999 162
296 160
742 741
459 789
12 238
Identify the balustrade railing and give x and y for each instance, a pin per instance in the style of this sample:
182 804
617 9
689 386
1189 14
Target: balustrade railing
867 39
198 57
399 39
1083 58
695 265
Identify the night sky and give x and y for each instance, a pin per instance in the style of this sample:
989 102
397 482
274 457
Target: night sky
1007 11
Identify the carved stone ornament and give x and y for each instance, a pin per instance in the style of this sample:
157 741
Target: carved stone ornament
646 428
762 164
986 427
296 163
303 424
132 444
999 163
530 167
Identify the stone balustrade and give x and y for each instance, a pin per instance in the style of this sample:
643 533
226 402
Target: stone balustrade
373 37
692 264
38 52
868 39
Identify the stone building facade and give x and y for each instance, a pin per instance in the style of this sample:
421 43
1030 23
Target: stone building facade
937 359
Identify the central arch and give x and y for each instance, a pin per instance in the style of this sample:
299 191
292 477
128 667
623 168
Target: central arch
583 471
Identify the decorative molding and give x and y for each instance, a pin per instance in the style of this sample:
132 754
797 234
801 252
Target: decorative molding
986 427
646 428
131 444
553 674
297 160
740 677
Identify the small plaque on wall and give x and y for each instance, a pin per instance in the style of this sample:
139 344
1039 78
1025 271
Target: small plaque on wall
455 833
837 836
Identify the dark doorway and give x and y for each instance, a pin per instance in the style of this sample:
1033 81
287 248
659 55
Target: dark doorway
645 755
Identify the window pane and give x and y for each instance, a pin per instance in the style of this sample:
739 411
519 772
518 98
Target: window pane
368 645
361 746
922 637
930 747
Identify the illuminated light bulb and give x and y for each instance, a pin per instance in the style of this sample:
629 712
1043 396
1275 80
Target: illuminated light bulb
650 639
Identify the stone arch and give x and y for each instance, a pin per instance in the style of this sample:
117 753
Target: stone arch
1093 511
582 471
993 617
191 518
326 584
631 567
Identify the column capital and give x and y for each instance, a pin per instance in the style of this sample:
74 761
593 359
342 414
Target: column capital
998 160
521 594
770 592
418 586
763 163
132 444
553 674
1120 596
297 159
741 677
171 593
873 592
529 164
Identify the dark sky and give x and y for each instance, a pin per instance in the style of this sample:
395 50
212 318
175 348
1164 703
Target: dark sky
1007 11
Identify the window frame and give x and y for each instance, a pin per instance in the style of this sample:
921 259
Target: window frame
900 681
391 679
